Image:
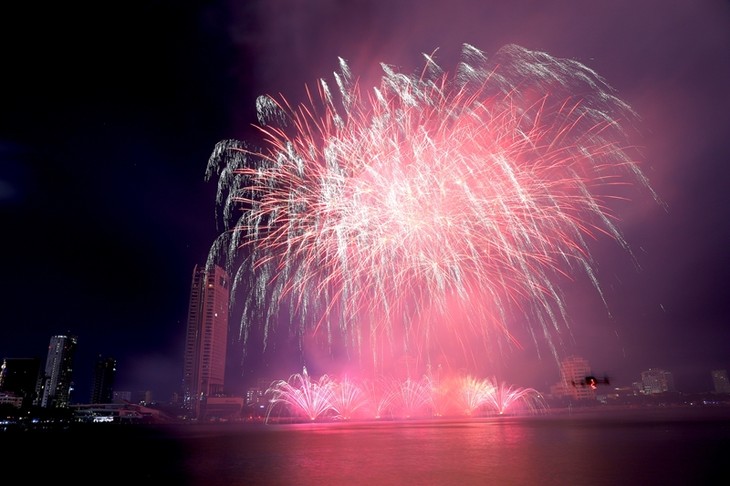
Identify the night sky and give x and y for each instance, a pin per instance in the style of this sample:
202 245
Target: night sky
109 114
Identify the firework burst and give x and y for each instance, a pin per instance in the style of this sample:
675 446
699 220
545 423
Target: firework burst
427 216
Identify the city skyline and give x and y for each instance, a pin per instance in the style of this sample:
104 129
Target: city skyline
577 378
106 209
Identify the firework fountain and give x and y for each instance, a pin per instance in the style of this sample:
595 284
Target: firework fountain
302 398
424 218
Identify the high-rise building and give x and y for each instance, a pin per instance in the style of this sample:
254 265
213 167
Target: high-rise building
21 377
573 371
206 339
102 389
720 381
655 380
57 380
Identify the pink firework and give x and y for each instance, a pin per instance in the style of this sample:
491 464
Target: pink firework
425 217
302 396
504 397
472 394
348 400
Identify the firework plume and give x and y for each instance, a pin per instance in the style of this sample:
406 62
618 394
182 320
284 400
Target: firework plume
429 215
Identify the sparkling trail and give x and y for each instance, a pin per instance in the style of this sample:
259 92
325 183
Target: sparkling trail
430 215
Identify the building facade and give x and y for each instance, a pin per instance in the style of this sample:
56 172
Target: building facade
57 381
656 380
573 373
20 377
206 339
720 381
102 388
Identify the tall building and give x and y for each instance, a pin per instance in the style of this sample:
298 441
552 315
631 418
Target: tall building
206 339
720 381
102 389
655 380
57 380
573 372
21 377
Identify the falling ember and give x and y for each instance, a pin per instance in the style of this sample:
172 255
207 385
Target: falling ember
426 217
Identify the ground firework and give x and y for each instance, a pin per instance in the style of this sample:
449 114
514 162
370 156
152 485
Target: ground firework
426 216
300 398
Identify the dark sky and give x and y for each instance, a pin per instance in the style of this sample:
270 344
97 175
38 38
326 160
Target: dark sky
109 113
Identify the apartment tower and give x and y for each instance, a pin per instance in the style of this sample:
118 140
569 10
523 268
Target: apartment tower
206 339
574 370
102 389
57 385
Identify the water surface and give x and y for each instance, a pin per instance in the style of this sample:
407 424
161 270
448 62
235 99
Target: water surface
658 447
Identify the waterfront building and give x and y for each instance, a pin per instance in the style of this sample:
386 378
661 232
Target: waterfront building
656 380
20 377
720 381
206 339
102 388
57 381
137 396
573 373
